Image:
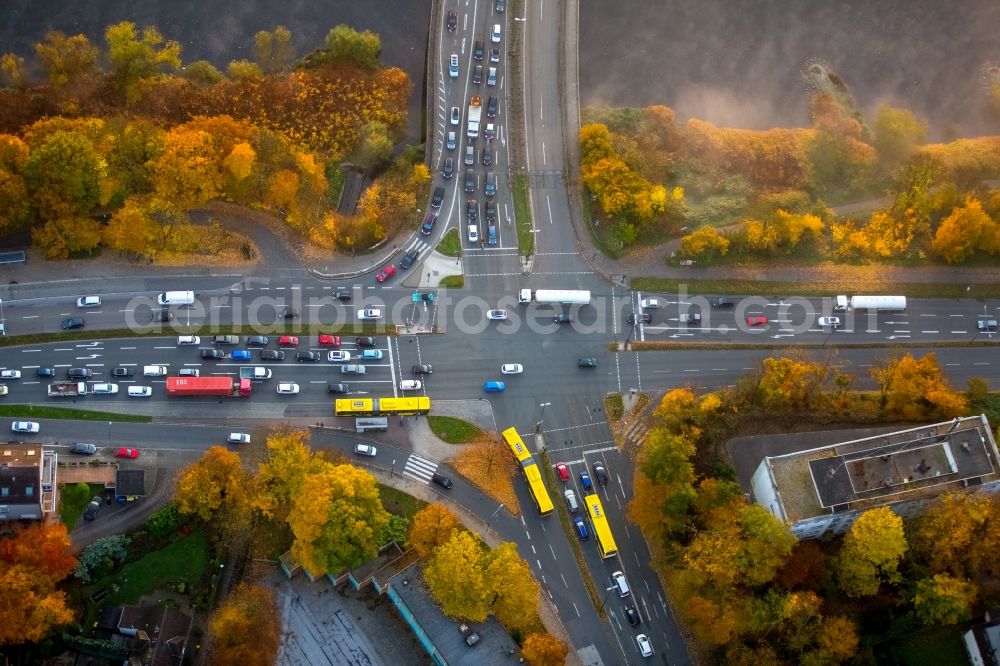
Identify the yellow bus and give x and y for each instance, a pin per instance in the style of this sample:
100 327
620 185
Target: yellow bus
381 406
602 531
532 475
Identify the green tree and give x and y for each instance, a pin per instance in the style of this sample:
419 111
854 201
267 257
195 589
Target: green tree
666 457
344 43
766 544
244 70
944 599
375 144
897 133
65 59
62 175
202 73
137 56
871 553
455 578
273 51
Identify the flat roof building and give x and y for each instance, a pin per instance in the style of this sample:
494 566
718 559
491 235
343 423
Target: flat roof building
27 482
818 491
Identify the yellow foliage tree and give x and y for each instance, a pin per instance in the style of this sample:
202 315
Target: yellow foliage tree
240 160
544 650
455 578
246 628
130 228
713 623
965 231
915 389
281 477
944 599
704 244
188 172
431 527
216 487
788 383
871 552
513 590
957 535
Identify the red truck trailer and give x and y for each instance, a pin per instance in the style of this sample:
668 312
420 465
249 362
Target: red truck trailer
214 386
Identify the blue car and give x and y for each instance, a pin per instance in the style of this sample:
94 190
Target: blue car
494 387
580 528
585 481
241 355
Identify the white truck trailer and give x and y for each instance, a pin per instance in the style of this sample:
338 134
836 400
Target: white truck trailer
886 303
475 113
562 296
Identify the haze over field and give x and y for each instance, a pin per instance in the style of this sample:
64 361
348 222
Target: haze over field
740 64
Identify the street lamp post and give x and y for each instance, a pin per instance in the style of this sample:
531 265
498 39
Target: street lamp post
538 424
493 516
605 599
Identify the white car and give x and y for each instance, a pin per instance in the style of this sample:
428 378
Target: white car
370 314
649 304
140 391
287 388
453 66
496 314
10 374
183 340
24 426
456 115
410 385
645 647
88 302
364 449
473 233
495 35
104 388
238 438
832 322
338 356
511 369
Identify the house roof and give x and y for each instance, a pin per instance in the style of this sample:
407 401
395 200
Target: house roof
20 481
130 482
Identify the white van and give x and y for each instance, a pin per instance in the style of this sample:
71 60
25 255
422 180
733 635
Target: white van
571 501
88 302
104 388
176 298
154 371
140 391
619 578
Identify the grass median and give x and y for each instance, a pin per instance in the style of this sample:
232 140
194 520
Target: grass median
451 244
454 431
69 413
522 213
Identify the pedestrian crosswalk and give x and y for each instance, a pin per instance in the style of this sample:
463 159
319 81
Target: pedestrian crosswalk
419 468
417 244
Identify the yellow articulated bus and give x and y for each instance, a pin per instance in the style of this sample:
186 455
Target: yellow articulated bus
532 475
602 531
381 406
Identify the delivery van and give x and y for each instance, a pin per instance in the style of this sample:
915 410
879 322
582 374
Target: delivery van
176 298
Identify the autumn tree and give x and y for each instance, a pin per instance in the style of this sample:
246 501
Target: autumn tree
714 623
704 245
244 70
65 59
781 230
202 73
188 172
915 389
432 526
129 149
273 50
513 591
871 552
67 236
965 231
544 650
336 519
788 383
897 133
666 457
12 74
958 534
944 599
456 578
136 56
839 158
32 562
344 43
216 487
62 175
246 628
805 567
375 145
15 205
130 229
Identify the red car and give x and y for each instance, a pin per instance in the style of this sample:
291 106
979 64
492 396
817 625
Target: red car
329 341
562 472
127 453
288 341
756 320
386 273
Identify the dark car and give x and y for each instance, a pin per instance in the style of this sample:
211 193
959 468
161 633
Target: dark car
72 322
491 210
491 107
644 318
601 475
563 319
288 312
428 226
487 157
722 302
82 448
423 369
501 5
91 511
441 480
449 168
45 372
477 51
342 295
437 198
338 388
470 182
477 75
310 356
634 618
126 372
257 341
216 354
366 342
587 362
452 20
79 373
408 259
162 315
272 355
472 209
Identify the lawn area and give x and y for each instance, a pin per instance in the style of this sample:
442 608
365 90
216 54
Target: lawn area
522 213
453 281
450 244
49 412
182 561
399 503
72 501
454 431
930 648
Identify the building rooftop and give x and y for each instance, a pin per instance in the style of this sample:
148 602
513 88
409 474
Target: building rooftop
130 482
885 468
20 481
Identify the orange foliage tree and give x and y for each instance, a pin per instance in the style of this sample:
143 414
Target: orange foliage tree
246 628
